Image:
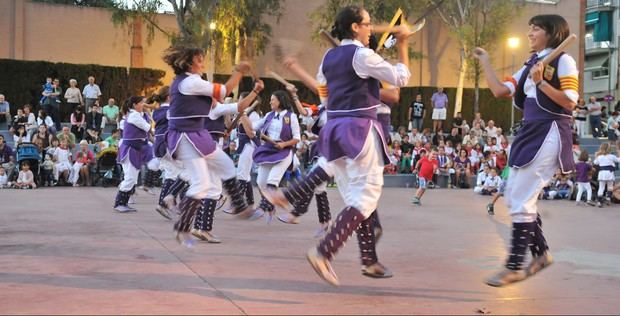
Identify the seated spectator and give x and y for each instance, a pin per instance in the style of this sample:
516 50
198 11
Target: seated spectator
487 159
549 191
405 164
25 179
443 166
492 182
68 136
396 150
475 156
78 122
4 178
478 120
113 139
21 136
478 130
501 159
449 149
5 111
402 131
392 166
491 129
481 178
564 188
43 135
491 144
454 136
462 167
110 113
94 121
457 123
406 145
7 157
83 159
437 139
31 123
19 119
426 135
415 136
63 159
45 120
471 138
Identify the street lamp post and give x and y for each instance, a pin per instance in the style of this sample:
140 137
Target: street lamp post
212 27
513 44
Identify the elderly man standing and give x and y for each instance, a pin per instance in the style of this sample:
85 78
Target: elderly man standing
440 103
91 93
5 111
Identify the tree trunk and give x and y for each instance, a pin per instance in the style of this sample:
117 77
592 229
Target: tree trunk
476 88
459 89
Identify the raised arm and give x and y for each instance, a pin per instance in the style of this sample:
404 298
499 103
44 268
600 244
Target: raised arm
496 86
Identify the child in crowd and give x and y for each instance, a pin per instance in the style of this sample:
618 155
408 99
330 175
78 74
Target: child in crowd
426 167
25 180
606 162
583 177
563 187
63 158
492 183
500 190
47 171
481 178
4 178
48 88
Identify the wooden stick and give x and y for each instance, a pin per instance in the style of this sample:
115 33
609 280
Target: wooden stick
562 47
279 78
328 38
267 139
238 117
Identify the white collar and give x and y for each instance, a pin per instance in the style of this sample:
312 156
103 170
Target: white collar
544 52
348 41
164 104
281 113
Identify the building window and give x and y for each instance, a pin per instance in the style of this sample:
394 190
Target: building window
600 74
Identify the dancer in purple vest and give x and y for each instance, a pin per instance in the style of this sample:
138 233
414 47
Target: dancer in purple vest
547 96
170 167
248 142
190 142
216 126
134 151
273 157
351 143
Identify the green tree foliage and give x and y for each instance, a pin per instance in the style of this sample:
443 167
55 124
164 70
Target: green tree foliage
478 23
240 28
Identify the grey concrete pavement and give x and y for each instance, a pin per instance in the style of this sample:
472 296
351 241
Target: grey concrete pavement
65 251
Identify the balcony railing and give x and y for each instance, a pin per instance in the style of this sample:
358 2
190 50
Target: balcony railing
591 44
592 4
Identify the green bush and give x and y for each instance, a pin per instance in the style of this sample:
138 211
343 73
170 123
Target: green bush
21 81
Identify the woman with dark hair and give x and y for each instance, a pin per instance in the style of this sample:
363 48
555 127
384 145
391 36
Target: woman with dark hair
134 150
78 120
189 141
547 95
351 143
281 132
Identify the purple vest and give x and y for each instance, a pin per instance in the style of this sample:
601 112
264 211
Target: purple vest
347 91
187 112
135 145
186 115
244 139
267 152
539 115
216 127
161 127
346 131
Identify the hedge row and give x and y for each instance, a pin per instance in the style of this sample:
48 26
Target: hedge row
490 107
21 81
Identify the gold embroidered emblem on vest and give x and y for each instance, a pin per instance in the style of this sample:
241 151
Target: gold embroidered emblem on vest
549 71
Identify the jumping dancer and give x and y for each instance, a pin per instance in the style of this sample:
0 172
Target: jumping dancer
216 126
134 151
190 142
546 95
281 132
351 142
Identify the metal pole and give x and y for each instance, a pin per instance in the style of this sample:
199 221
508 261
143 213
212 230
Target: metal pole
609 68
512 108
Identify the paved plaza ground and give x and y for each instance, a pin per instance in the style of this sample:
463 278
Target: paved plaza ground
64 251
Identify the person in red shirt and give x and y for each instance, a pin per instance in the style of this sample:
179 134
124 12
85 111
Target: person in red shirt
426 167
84 158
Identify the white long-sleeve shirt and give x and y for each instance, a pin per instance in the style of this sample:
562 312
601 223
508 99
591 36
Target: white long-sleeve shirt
194 85
368 64
135 118
221 109
275 127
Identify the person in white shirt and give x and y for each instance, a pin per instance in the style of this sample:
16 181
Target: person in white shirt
31 125
63 159
4 179
281 131
91 93
481 178
491 183
606 162
491 129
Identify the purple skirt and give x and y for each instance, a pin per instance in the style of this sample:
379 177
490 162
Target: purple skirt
202 141
137 157
345 137
268 153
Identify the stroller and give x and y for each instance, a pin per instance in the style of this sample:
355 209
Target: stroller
28 152
107 171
